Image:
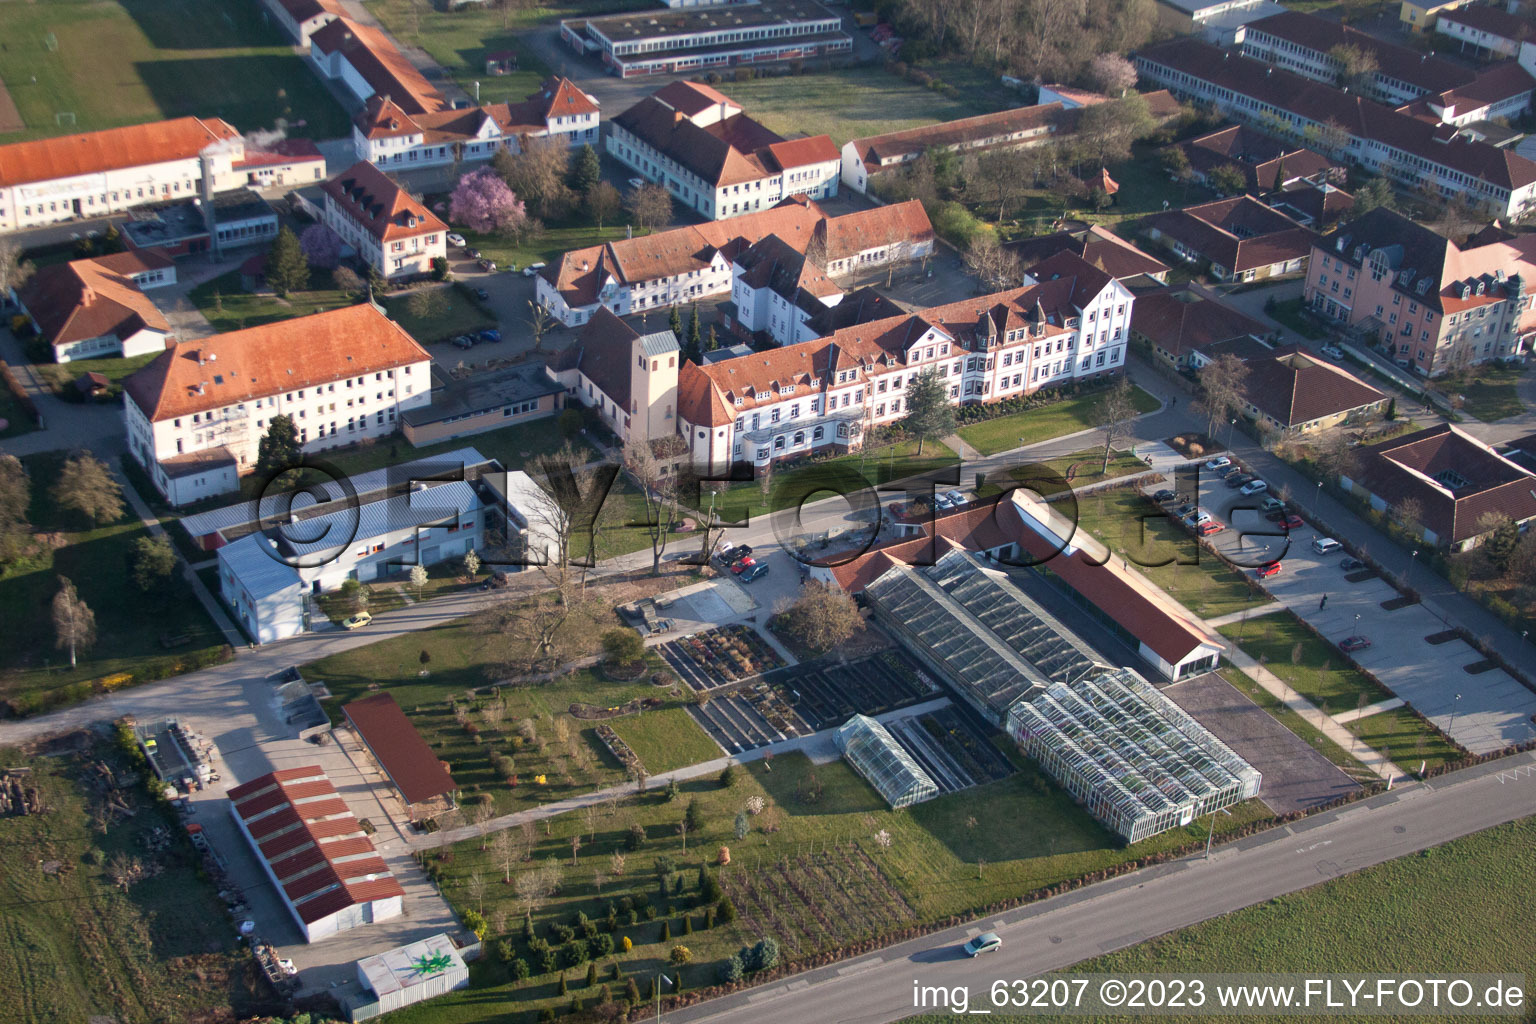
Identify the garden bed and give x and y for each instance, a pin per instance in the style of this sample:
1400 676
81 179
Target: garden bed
1399 602
592 713
620 750
1445 636
716 657
1191 446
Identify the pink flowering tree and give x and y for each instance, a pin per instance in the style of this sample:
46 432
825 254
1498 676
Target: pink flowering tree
321 246
483 203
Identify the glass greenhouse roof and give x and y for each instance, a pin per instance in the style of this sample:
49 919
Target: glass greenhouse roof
877 755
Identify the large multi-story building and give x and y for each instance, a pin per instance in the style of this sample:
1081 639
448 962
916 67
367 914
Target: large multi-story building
629 378
384 134
382 223
709 36
1486 31
1241 238
197 412
300 19
1413 151
1435 305
96 173
863 159
699 145
654 272
1069 322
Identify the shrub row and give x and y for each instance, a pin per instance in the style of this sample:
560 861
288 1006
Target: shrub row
13 385
147 671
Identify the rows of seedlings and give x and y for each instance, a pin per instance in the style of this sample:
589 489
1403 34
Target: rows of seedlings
967 743
827 695
929 754
719 657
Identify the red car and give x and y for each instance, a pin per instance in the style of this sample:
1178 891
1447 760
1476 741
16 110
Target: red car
1207 528
743 565
1267 570
1351 644
1293 522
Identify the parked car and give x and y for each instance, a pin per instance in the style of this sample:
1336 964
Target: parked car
1326 545
532 269
942 502
760 569
463 341
490 334
1351 644
488 265
1271 504
456 240
482 294
1238 479
1220 462
1292 521
357 621
1164 495
1226 471
1333 352
1352 565
741 565
1267 570
636 182
1277 515
473 254
1253 487
1184 510
1209 527
955 496
986 942
734 552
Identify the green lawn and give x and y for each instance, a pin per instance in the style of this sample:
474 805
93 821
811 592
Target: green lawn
548 247
462 315
848 103
1371 922
1297 724
1005 433
1086 466
1194 577
1490 393
230 308
622 528
76 947
61 377
130 61
33 674
1313 668
818 480
1289 314
1405 739
666 739
811 873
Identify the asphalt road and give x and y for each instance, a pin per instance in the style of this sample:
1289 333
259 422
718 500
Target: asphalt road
1057 933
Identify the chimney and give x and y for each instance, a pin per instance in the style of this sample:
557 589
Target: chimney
206 165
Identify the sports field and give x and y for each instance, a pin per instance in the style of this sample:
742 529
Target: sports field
79 65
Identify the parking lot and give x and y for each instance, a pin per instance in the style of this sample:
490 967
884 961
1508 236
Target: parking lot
1484 712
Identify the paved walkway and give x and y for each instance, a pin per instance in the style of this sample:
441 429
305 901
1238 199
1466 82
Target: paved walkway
1328 726
1246 614
1345 717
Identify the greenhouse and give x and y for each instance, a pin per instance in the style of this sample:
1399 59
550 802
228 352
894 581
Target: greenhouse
1132 757
875 754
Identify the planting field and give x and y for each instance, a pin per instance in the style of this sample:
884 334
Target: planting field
33 673
1193 576
93 64
74 946
822 861
1005 433
826 694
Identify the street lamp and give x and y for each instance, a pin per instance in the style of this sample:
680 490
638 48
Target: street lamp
1230 424
660 980
1317 496
1454 705
1357 624
1211 831
1413 560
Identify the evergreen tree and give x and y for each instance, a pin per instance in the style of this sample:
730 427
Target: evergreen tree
929 414
695 350
287 269
712 342
631 991
563 987
591 973
675 321
586 170
279 447
1279 181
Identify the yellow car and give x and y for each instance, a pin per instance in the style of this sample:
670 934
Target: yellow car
357 621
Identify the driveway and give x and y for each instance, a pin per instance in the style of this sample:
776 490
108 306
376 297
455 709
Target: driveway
1483 712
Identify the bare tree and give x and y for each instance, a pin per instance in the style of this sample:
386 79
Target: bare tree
124 869
480 815
1116 410
74 624
504 849
575 847
86 485
658 493
602 202
682 830
1112 74
616 865
571 507
526 840
475 886
533 887
996 267
650 205
1223 384
537 173
589 818
539 321
14 271
1409 514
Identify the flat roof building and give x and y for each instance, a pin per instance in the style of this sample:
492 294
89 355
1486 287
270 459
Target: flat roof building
405 975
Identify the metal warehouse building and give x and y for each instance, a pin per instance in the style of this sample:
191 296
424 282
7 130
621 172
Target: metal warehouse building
1130 756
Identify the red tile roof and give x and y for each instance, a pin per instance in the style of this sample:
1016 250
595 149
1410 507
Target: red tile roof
1190 319
1259 157
1240 233
92 298
385 210
399 748
1493 20
1293 389
110 149
315 848
1098 246
240 366
380 64
967 132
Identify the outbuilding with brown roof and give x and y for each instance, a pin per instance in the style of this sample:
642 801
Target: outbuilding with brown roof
421 780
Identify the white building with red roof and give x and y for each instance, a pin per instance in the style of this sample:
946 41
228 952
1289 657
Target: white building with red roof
314 850
87 309
196 413
383 223
91 174
384 134
363 59
300 19
697 143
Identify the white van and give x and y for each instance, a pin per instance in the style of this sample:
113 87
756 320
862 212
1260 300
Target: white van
1326 545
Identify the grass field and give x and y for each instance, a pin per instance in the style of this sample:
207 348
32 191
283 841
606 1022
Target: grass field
548 247
61 377
1194 577
1005 433
810 872
126 62
96 560
1403 737
1089 464
818 480
460 316
1318 672
1289 314
230 308
1490 393
74 946
666 739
